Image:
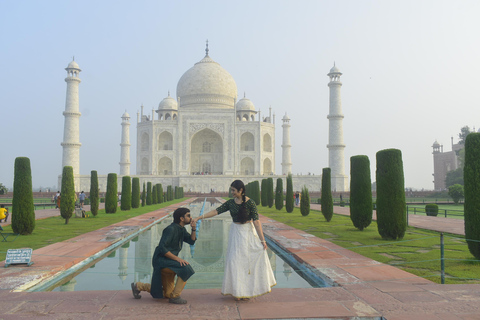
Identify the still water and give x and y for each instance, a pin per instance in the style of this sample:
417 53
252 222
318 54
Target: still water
132 261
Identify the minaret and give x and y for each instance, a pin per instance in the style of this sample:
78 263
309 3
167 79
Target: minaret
286 147
125 146
71 130
336 147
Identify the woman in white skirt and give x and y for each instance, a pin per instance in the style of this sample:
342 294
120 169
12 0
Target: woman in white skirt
248 272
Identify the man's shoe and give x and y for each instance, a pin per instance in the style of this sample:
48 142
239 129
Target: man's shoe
177 300
135 291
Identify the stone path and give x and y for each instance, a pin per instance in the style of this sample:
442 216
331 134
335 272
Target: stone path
365 289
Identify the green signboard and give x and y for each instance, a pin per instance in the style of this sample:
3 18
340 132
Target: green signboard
19 256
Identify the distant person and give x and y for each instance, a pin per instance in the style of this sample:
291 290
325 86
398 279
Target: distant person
81 197
3 213
167 264
56 200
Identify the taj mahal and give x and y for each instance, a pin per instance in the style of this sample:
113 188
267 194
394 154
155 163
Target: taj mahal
206 137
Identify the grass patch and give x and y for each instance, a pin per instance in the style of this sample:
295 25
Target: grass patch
52 230
417 253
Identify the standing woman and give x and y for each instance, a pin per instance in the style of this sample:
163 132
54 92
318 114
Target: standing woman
248 272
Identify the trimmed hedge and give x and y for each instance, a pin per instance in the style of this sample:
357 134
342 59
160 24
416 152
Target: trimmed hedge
159 193
289 195
431 209
361 207
67 194
327 199
135 192
270 193
263 193
94 199
144 196
23 210
279 194
391 206
126 200
154 194
256 192
111 199
149 194
305 202
471 177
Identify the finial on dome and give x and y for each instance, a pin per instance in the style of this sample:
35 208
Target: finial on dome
73 58
206 49
169 93
244 95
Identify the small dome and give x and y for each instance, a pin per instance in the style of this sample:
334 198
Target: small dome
73 65
126 115
334 70
245 104
168 104
436 144
285 117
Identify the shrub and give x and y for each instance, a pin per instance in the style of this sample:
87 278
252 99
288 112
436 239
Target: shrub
143 196
270 194
431 209
305 202
327 199
94 199
472 194
177 192
289 195
279 194
256 192
456 192
23 210
169 193
135 192
391 206
111 199
126 200
149 193
361 208
154 194
67 194
159 193
264 193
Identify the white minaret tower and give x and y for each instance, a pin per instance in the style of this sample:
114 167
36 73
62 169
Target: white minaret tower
125 146
71 130
286 147
336 147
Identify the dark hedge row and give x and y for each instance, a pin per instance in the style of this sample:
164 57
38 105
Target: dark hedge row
361 207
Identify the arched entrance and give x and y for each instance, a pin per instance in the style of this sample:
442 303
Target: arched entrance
206 153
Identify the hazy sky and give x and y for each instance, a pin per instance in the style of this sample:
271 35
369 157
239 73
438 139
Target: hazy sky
410 74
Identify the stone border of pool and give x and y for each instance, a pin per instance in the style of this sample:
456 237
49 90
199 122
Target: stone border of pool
366 289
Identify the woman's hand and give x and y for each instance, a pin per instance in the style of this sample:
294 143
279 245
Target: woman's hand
264 243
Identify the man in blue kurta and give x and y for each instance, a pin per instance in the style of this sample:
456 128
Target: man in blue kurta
167 264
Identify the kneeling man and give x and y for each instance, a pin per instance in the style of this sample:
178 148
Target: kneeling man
167 264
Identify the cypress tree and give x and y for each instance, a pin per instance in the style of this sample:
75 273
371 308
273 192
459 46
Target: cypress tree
135 192
111 199
67 195
126 200
361 207
177 195
289 195
149 193
23 210
159 193
279 194
154 194
169 193
94 200
144 196
327 200
391 206
305 202
472 195
270 194
264 193
256 192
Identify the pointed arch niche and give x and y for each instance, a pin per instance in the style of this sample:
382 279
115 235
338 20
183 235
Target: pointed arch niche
247 166
206 153
165 166
165 141
267 166
247 142
267 143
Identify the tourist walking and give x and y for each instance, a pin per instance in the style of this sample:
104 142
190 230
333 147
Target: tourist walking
248 272
167 264
81 197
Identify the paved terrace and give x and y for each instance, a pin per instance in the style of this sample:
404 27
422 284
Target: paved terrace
365 289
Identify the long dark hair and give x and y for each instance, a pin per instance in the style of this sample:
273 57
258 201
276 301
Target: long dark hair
243 215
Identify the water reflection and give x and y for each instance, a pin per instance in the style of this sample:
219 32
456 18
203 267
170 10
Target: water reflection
207 257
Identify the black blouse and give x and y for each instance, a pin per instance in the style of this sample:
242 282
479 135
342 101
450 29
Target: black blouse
234 208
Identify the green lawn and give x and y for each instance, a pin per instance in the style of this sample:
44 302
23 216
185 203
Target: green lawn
418 252
54 229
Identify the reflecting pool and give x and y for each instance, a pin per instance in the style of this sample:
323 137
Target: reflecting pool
132 261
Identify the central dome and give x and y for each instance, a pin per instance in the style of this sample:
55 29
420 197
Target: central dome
208 85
